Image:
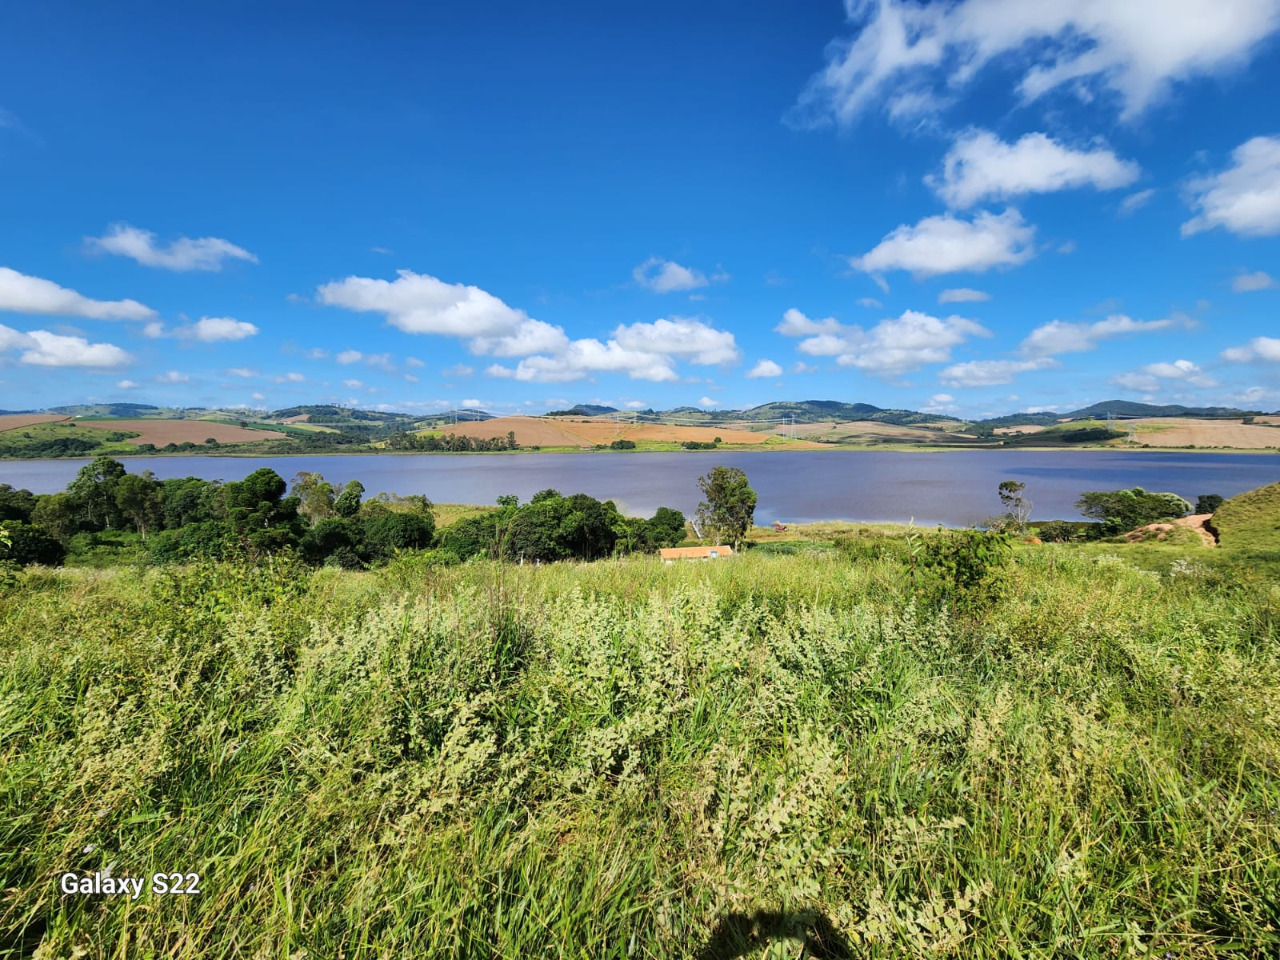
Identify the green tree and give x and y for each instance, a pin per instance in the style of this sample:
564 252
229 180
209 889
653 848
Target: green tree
1123 510
28 544
666 527
140 499
729 506
1017 507
385 533
56 513
94 489
1208 503
16 504
316 495
348 502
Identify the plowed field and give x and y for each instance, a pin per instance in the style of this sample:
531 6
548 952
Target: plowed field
162 432
16 421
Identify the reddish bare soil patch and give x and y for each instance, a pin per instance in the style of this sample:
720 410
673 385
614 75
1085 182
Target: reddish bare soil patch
163 432
1197 522
16 421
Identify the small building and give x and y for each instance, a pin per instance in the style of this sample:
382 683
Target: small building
672 554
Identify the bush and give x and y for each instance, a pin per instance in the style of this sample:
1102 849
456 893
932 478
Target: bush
386 533
963 569
1057 531
622 445
28 545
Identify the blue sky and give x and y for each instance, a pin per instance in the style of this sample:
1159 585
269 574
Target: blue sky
973 207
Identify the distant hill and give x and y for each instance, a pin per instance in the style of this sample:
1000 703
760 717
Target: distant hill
582 410
126 410
1128 408
817 411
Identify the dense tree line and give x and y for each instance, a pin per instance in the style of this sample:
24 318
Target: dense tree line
184 518
450 443
555 527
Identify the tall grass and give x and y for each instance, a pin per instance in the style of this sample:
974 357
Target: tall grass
627 759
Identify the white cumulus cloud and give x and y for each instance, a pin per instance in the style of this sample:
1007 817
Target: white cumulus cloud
1058 336
349 356
1149 379
219 329
1259 348
911 59
173 376
980 167
42 348
419 303
763 369
949 244
1244 198
708 402
20 293
205 253
889 348
988 373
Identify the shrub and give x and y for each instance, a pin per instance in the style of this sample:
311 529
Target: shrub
388 532
963 569
622 445
28 545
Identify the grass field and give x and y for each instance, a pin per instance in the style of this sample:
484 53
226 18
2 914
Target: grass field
570 432
626 759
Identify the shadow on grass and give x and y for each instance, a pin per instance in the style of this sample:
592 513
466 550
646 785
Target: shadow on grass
740 933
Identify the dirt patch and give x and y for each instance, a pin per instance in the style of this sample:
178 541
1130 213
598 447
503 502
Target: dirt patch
163 432
1197 523
17 421
1020 429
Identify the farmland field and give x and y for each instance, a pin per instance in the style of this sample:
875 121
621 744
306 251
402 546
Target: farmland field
18 421
161 432
624 759
571 432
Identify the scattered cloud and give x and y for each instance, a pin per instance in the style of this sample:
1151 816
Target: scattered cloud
948 244
667 276
352 384
981 167
963 295
1244 198
413 362
349 356
173 376
419 303
871 303
912 59
1135 202
20 293
410 378
763 369
1259 348
458 370
127 385
708 402
1252 282
382 250
241 372
642 351
206 253
42 348
940 403
988 373
801 367
1057 336
1149 379
532 336
257 396
290 377
218 329
889 348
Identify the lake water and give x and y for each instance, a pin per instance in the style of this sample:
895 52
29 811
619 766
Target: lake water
952 487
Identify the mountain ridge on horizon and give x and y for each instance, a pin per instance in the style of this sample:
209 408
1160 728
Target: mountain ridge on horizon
803 411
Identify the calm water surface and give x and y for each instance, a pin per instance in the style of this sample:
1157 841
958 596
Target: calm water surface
955 487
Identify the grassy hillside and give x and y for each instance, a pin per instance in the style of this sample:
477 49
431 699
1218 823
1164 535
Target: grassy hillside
632 760
1251 521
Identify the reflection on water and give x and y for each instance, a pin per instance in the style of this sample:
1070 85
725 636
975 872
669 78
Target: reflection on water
952 487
